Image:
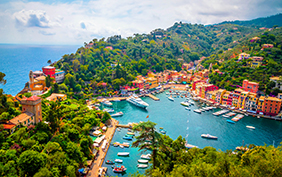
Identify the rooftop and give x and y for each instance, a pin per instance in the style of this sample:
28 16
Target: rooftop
49 67
33 98
275 78
8 126
21 118
273 99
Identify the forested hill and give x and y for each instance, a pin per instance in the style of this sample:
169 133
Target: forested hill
267 22
117 60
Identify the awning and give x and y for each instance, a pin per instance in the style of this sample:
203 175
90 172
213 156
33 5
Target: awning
261 113
254 112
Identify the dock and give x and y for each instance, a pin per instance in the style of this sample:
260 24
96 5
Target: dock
153 97
120 144
130 125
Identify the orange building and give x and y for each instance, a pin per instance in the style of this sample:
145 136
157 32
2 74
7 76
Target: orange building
250 86
271 106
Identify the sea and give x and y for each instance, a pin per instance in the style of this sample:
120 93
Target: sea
177 121
17 60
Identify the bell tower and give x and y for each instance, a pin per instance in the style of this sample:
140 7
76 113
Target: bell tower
33 105
31 79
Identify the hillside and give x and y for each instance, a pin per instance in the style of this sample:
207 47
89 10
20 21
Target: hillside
267 22
117 61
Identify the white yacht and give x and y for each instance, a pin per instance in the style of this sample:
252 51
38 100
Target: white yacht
106 102
137 101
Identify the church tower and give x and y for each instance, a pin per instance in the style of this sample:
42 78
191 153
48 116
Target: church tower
33 105
31 79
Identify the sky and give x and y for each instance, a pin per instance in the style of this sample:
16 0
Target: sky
73 22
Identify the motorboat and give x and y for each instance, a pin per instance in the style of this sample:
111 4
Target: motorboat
127 137
142 166
191 102
106 102
119 169
238 117
170 98
110 162
118 160
121 146
123 154
208 136
163 131
143 161
118 129
187 108
108 110
250 127
130 133
190 146
146 156
197 111
230 121
118 114
137 101
185 103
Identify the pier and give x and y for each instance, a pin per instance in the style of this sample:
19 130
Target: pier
153 97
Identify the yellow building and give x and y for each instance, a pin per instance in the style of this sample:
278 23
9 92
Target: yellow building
256 62
153 82
242 99
57 96
37 84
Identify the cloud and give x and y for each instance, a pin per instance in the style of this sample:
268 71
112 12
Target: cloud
32 18
74 22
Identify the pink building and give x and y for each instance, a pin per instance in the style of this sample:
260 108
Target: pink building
250 86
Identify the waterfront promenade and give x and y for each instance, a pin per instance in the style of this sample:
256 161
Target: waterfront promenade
101 154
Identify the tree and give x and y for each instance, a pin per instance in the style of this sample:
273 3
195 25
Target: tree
77 88
48 81
147 131
49 61
53 114
31 161
44 172
56 88
2 80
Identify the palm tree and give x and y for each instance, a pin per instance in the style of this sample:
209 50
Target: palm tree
147 132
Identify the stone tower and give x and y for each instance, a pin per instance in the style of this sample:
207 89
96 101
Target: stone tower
31 79
33 105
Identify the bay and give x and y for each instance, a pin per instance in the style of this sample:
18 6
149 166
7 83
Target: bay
17 60
175 119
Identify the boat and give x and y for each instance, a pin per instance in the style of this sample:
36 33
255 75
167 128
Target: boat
238 117
118 114
137 101
197 111
146 156
108 110
190 146
106 102
229 114
161 128
130 133
187 108
220 112
118 160
250 127
142 166
129 130
121 146
163 131
109 162
118 129
208 136
119 169
230 121
127 137
143 161
241 148
185 103
123 154
170 98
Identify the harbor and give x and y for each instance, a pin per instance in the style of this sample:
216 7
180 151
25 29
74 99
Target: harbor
177 120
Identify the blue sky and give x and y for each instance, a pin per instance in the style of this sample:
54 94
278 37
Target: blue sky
77 21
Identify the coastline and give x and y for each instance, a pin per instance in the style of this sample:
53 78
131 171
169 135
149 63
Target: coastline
97 164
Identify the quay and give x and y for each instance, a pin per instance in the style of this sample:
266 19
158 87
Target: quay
153 97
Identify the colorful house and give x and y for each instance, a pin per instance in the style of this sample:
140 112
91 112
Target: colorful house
251 103
250 86
206 88
219 95
49 71
243 56
256 62
227 98
242 100
278 81
138 83
152 83
271 106
56 96
236 95
264 46
260 104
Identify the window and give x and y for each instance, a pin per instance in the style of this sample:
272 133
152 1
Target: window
24 122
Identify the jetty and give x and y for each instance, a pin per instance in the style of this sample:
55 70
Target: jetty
129 125
153 97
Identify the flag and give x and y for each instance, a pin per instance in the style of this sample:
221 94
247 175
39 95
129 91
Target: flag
147 116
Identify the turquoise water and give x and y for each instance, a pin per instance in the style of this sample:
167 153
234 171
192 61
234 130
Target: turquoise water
175 119
18 60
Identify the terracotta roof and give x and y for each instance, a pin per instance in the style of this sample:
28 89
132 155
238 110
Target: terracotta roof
275 78
21 118
40 78
33 98
273 99
8 126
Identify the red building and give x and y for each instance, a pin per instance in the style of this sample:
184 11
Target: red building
250 86
195 83
138 84
49 71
